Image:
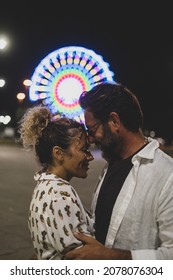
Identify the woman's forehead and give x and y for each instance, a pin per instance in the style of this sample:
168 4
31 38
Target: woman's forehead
80 139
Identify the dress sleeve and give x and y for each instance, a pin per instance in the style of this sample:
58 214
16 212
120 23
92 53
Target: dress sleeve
66 214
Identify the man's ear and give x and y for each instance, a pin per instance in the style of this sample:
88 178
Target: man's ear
58 153
114 120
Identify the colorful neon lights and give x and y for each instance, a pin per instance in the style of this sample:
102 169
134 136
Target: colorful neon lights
63 75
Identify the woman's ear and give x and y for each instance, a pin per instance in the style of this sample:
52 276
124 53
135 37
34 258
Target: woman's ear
114 120
58 153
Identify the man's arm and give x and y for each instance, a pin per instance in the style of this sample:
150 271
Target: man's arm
94 250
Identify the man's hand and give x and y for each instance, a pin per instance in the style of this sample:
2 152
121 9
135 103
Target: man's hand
94 250
91 250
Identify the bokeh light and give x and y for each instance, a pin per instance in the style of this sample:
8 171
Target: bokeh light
27 82
63 75
20 96
3 43
2 82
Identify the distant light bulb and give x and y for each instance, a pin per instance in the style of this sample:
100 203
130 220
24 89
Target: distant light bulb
27 82
2 82
3 44
20 96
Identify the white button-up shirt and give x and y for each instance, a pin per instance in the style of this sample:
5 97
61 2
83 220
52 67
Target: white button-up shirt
142 217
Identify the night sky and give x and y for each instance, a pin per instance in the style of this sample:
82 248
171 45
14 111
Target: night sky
136 40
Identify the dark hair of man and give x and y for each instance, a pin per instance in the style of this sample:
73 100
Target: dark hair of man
105 98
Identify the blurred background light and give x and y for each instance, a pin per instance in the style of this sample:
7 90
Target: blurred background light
5 119
63 75
2 82
3 43
27 82
20 96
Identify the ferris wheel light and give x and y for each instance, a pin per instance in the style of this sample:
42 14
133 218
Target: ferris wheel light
66 86
63 75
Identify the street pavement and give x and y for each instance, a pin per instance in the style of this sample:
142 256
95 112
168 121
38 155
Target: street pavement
17 168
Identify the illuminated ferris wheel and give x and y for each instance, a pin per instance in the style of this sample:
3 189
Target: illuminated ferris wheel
63 75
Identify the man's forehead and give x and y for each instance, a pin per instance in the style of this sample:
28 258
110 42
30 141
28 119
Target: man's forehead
89 117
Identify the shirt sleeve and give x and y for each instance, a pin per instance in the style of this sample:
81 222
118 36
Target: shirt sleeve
66 215
164 217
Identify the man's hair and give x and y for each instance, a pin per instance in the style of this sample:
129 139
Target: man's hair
105 98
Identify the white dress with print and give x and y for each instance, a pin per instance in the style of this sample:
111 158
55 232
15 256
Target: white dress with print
55 212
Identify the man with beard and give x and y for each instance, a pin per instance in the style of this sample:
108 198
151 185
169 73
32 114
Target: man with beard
133 200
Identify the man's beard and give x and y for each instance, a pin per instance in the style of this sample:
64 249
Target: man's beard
108 145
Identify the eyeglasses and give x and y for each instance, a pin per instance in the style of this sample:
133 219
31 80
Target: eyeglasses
92 131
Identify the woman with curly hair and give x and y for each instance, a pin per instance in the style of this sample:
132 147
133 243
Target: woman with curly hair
61 147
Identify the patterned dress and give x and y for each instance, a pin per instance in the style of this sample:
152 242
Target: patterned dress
55 212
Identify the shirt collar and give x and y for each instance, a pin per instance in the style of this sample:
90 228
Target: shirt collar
148 150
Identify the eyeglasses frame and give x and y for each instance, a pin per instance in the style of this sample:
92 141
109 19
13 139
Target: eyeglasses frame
92 130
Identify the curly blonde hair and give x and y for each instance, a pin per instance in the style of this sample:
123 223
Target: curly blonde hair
32 124
39 129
